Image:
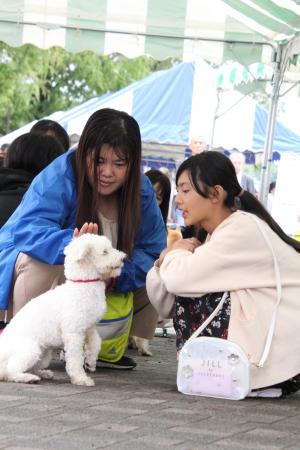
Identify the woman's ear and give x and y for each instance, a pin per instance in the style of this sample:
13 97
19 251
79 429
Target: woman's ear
218 194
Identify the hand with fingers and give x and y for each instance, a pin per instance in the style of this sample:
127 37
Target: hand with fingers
86 228
189 244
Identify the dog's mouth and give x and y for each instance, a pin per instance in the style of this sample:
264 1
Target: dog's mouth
112 271
119 266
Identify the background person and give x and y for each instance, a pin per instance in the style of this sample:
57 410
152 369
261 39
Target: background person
96 187
52 128
238 161
3 151
189 279
162 186
198 145
27 155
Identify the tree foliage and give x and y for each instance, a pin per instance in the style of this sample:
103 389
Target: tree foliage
35 83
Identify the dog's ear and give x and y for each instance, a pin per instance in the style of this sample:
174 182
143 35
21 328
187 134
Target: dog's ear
78 250
82 253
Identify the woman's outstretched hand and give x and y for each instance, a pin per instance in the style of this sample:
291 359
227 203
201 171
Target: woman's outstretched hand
86 228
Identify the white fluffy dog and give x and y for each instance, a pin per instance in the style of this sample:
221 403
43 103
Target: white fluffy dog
63 317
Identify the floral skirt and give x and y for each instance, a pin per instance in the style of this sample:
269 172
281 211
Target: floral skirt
190 313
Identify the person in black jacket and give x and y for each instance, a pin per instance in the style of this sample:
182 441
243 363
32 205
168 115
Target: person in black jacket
27 155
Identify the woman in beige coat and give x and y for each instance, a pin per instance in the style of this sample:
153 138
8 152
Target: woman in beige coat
190 277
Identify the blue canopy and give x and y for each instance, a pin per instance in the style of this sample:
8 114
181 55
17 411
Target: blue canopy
284 138
173 105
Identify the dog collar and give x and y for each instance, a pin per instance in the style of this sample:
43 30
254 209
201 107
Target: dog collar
85 281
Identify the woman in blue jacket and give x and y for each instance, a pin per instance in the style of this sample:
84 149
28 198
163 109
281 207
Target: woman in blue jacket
99 186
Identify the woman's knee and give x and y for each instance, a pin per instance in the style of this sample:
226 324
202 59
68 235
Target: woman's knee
32 278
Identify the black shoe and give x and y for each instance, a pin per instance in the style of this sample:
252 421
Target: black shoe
125 363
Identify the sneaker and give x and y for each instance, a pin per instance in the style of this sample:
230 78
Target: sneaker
125 363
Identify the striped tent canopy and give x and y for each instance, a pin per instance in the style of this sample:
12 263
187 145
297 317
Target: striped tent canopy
233 74
183 28
247 31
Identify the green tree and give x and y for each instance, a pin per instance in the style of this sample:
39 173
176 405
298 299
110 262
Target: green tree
18 87
35 83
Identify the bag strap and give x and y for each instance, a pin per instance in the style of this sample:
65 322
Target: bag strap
209 319
278 290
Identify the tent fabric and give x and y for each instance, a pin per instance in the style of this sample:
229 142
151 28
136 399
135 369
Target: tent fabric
173 105
284 139
158 162
163 104
247 31
8 138
170 105
166 110
233 74
160 28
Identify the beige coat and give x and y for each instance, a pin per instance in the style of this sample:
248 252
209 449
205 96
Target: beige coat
237 259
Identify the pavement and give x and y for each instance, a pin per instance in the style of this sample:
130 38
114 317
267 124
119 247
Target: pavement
140 409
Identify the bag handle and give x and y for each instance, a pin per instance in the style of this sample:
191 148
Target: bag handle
278 290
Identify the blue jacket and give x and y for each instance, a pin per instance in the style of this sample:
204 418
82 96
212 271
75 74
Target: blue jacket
43 225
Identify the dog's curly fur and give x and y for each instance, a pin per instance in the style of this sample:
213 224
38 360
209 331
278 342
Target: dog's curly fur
63 317
141 344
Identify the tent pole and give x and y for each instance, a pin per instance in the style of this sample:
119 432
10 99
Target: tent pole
268 147
214 120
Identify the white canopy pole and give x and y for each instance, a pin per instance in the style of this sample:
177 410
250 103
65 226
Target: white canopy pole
281 58
214 120
268 147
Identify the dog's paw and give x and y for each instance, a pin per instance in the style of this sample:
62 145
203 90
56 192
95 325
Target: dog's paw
132 343
90 366
142 345
24 378
144 352
45 374
86 381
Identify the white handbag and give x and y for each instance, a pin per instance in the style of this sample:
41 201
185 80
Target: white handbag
215 367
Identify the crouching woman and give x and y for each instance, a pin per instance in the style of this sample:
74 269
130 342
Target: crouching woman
96 188
189 278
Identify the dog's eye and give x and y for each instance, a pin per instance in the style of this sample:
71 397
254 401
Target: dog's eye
105 252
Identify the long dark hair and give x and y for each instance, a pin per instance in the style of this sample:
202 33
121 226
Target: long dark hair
157 177
32 152
122 133
213 168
